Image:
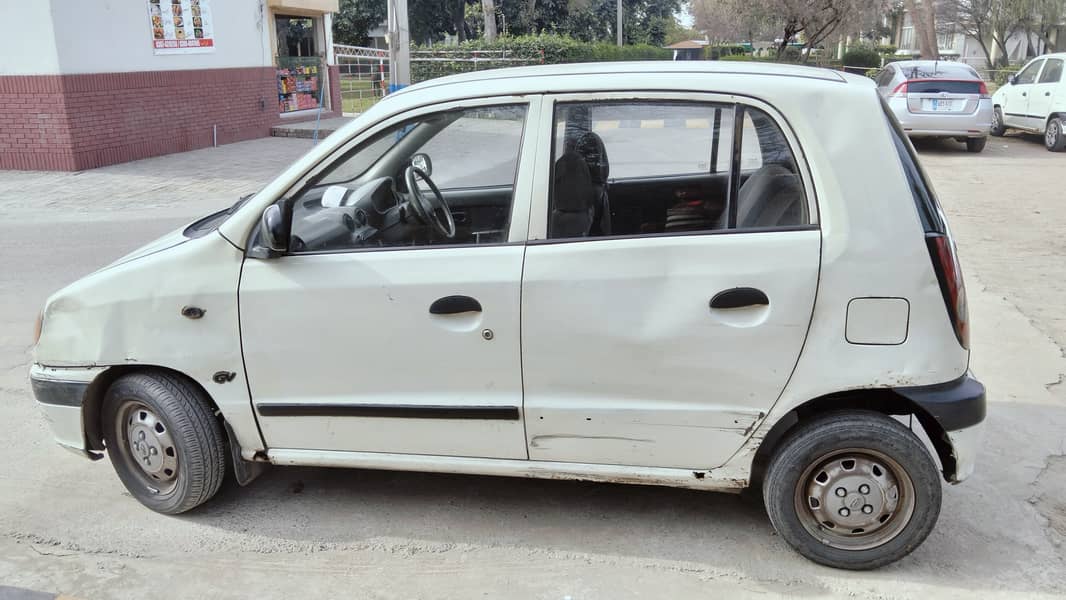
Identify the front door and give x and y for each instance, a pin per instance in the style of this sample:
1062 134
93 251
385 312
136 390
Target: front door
667 288
390 327
1017 96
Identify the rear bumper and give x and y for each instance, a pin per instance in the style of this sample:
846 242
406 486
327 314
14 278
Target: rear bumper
975 124
60 394
958 408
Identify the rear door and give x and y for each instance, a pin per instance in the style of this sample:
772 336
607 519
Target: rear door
1044 91
665 341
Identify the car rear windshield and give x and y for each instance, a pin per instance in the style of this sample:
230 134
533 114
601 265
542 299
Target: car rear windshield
938 86
924 197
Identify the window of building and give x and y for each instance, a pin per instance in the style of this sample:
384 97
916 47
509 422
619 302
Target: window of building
300 68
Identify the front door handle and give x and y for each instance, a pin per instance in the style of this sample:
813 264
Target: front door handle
739 297
453 305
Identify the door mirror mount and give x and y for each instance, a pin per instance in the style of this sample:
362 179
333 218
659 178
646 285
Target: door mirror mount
1012 79
271 239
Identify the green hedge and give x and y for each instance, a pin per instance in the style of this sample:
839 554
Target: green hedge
529 49
862 57
561 49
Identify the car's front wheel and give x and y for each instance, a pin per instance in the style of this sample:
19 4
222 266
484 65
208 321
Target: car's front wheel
852 490
998 128
164 441
1054 136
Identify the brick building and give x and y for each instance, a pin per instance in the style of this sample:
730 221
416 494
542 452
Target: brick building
95 82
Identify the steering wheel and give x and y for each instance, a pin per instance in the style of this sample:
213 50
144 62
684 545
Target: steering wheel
424 207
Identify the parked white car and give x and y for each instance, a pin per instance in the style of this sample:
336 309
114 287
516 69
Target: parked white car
938 99
1034 100
653 273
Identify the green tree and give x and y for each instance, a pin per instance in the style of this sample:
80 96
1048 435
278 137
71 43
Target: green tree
356 18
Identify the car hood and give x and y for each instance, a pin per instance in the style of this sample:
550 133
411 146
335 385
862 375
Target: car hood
167 241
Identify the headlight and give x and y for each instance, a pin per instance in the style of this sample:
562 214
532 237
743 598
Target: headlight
37 328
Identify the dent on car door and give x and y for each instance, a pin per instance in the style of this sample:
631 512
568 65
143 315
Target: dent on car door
665 340
387 333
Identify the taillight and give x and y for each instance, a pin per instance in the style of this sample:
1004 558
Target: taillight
949 274
983 90
901 90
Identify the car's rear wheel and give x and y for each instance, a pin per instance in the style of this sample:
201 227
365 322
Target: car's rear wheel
998 129
163 440
852 490
1054 136
976 144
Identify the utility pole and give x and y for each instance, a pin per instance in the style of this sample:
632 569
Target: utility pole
618 27
399 45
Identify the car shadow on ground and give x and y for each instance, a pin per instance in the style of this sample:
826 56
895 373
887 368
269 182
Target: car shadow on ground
995 145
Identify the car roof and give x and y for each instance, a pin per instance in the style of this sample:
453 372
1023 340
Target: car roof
629 75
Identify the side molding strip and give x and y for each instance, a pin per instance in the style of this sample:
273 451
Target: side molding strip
395 411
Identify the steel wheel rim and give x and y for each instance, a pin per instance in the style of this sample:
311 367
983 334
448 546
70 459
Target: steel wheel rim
1051 136
148 446
995 119
854 499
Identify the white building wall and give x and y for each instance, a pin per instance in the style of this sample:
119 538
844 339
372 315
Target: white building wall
28 46
108 36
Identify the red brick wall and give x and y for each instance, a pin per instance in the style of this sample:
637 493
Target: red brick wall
75 122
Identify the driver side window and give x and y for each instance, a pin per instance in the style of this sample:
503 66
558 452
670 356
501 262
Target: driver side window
445 178
1028 74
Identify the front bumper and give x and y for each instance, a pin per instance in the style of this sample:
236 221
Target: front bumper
60 394
958 409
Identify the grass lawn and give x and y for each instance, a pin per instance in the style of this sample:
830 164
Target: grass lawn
359 94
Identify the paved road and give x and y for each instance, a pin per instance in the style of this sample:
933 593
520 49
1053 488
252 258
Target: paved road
68 526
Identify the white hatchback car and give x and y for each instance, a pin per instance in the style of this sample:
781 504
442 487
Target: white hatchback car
656 273
1034 100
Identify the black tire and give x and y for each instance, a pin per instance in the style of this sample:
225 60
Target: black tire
976 144
184 445
1054 136
998 128
813 450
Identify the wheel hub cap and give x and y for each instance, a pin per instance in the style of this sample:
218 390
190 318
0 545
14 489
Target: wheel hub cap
854 499
150 444
1052 134
853 494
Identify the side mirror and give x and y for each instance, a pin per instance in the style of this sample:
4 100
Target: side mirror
422 163
1012 79
271 229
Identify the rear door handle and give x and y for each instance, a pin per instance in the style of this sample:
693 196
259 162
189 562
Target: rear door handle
739 297
453 305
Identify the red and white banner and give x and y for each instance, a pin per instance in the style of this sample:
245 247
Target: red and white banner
181 26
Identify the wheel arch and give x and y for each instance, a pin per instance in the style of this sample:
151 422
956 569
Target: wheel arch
886 401
93 400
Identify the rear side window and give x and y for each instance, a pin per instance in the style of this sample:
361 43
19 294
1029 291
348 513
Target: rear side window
1052 71
644 167
924 198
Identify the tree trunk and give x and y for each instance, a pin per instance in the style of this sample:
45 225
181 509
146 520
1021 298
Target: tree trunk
489 8
459 19
924 20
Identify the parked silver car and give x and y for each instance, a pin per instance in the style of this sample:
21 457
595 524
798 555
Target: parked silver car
938 99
